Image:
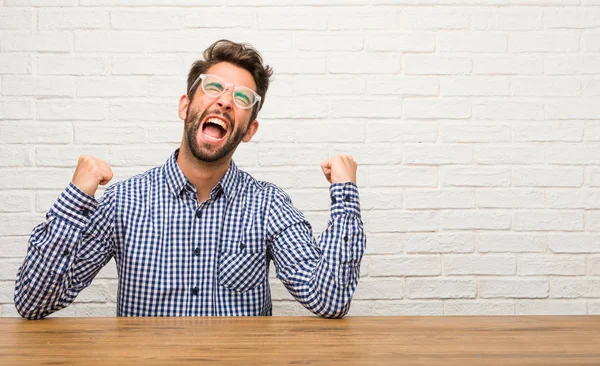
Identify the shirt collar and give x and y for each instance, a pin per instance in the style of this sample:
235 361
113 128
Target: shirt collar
177 181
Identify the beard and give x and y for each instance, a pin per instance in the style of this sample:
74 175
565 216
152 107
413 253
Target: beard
205 152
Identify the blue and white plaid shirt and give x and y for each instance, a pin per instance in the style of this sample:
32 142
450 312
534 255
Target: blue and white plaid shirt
176 257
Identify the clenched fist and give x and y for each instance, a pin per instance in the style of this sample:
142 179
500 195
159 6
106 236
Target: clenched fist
340 169
90 173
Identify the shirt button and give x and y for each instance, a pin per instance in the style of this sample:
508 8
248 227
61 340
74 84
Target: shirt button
332 200
195 291
242 245
197 251
347 198
346 238
66 253
198 214
85 212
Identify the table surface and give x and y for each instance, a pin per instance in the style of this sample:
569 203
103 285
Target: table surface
498 340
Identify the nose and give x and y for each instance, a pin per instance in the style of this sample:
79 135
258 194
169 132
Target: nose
225 100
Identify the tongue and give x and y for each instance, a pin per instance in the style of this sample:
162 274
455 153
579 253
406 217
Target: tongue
213 131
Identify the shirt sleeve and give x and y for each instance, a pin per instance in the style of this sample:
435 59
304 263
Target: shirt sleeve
65 252
321 274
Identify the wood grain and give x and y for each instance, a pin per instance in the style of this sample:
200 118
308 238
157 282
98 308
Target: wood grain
537 340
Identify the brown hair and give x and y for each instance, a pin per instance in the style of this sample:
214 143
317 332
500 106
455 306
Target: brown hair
240 54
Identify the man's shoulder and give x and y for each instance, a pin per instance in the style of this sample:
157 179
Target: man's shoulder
139 181
256 186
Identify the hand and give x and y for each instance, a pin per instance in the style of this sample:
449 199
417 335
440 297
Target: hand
340 169
90 173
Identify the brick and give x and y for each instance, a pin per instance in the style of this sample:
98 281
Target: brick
592 221
397 308
474 86
299 64
400 42
279 131
474 220
574 287
436 65
108 41
16 109
67 19
45 200
419 288
16 201
370 154
398 177
508 154
453 132
437 155
385 243
71 65
551 307
376 108
138 156
401 221
114 135
539 265
552 87
410 266
328 85
142 111
572 65
298 107
38 3
594 178
581 18
400 132
511 242
371 63
156 65
16 224
367 18
439 243
38 42
574 154
543 42
476 177
292 19
574 243
540 220
510 110
548 131
71 110
593 265
439 199
14 156
40 86
380 289
320 42
547 177
593 307
381 198
115 86
22 132
592 131
169 87
471 42
402 85
479 265
591 42
20 19
513 288
436 108
508 65
567 198
67 156
275 155
477 307
509 198
16 63
509 19
433 20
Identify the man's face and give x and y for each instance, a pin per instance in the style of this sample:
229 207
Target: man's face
214 127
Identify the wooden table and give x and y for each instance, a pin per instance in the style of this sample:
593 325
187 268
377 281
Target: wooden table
527 340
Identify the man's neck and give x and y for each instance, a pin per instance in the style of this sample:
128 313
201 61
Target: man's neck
203 175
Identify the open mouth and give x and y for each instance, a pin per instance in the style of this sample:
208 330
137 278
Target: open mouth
214 129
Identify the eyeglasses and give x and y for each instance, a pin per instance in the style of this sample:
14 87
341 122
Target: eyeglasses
214 86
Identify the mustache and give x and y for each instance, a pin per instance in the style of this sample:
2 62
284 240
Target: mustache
216 112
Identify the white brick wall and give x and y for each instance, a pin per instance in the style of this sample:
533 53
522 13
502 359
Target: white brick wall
476 125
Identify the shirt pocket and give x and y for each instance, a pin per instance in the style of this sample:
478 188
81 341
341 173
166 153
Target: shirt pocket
242 265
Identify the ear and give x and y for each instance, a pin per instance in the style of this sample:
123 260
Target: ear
184 102
251 131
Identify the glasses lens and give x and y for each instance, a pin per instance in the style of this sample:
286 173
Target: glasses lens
244 97
213 85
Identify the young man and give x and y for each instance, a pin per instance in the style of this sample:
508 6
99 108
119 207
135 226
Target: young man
196 235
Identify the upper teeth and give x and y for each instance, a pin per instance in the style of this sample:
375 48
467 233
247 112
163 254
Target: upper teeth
218 121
